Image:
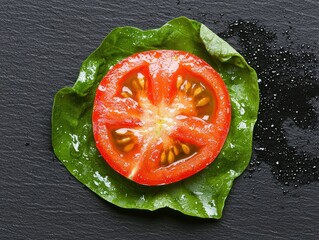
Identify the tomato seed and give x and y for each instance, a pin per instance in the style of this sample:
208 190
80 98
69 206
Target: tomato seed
198 90
187 85
129 147
186 149
179 82
170 157
126 95
141 80
163 158
124 140
203 102
176 150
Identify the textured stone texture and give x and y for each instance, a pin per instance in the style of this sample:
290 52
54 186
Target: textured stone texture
42 45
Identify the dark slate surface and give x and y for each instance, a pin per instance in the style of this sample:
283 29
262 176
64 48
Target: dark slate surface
42 45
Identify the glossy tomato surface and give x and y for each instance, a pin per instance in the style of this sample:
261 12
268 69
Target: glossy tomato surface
161 116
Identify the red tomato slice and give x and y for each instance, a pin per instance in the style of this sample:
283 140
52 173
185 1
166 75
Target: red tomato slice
161 116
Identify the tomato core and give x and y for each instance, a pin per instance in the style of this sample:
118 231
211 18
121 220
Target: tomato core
161 116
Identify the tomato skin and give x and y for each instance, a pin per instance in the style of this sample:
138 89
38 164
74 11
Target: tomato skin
143 117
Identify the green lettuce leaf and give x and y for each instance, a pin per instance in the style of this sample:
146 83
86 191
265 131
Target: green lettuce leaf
202 195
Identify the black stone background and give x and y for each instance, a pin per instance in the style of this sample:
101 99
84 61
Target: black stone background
42 45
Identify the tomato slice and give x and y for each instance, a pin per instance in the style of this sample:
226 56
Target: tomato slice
161 116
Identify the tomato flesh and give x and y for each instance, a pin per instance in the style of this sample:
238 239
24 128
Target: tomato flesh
161 116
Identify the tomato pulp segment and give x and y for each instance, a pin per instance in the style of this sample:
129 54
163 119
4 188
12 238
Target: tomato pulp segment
161 116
